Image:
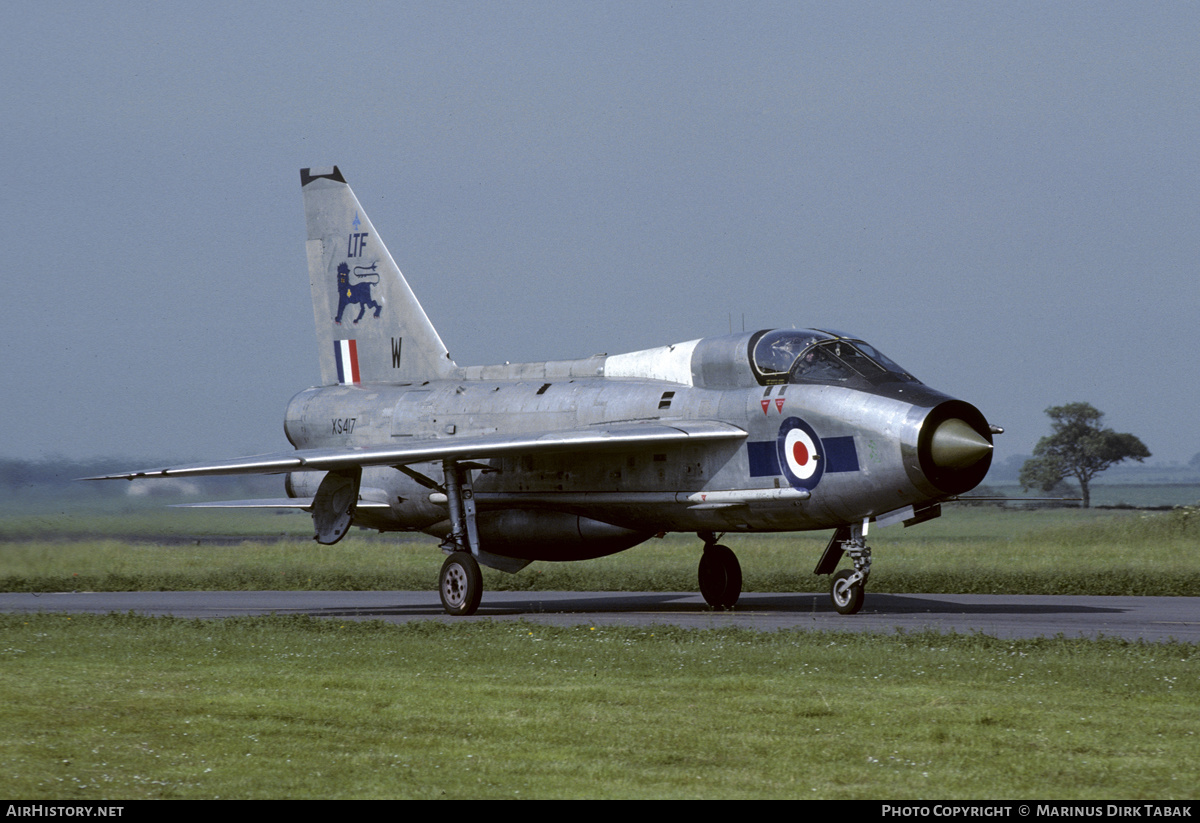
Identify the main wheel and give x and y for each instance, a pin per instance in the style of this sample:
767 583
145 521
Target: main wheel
720 577
846 599
460 584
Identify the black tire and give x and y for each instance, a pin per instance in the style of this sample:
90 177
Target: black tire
460 585
846 599
720 577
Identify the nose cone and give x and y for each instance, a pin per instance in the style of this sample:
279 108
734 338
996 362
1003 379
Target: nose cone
954 448
955 445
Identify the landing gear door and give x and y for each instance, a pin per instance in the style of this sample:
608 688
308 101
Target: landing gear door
334 504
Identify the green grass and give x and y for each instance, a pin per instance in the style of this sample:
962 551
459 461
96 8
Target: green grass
73 518
1053 551
968 550
1113 494
124 707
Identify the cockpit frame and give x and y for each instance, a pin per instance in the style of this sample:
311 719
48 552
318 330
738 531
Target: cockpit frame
819 356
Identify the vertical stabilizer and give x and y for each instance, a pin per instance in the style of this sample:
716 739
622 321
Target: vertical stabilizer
370 327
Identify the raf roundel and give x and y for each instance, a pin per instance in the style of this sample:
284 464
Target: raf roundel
800 453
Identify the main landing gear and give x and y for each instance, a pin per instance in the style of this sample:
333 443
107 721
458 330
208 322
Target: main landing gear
720 574
848 587
460 584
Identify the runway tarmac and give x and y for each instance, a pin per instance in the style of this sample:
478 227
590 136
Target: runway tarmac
1151 619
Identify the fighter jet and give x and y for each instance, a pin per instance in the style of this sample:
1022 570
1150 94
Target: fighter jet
768 431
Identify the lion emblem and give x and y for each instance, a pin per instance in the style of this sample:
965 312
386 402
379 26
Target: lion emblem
358 292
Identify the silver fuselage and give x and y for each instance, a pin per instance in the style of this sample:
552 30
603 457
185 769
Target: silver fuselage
868 450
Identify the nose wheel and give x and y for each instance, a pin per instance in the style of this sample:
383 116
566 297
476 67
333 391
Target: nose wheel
846 592
848 587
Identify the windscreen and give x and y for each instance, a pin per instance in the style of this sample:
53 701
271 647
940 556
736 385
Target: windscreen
810 356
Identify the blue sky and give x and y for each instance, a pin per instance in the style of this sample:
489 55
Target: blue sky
1004 198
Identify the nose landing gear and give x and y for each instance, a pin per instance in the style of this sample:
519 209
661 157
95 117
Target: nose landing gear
847 590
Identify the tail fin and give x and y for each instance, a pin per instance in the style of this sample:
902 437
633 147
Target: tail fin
370 327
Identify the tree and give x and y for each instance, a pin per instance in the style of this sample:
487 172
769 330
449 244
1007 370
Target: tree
1079 448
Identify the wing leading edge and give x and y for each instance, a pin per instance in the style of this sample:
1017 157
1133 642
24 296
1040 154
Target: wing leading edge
586 440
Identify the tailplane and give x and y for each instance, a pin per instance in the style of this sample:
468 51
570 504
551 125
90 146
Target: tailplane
370 327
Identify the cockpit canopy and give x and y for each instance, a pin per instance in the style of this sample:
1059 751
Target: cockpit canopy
816 356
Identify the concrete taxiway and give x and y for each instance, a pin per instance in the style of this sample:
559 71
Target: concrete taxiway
1151 619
